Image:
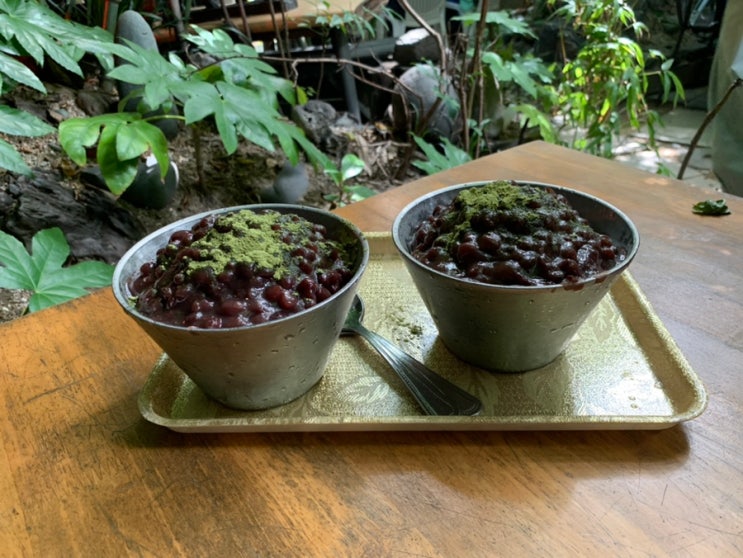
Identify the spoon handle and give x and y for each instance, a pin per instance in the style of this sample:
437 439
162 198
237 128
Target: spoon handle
435 394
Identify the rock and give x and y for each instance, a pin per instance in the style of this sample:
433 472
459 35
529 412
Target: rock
292 182
316 119
94 225
419 88
94 103
148 190
416 45
133 27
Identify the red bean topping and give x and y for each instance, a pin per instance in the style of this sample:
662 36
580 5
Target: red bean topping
171 289
543 241
307 288
273 293
288 301
232 307
181 237
468 253
323 294
489 242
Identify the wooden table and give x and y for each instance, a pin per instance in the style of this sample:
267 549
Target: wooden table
82 474
303 15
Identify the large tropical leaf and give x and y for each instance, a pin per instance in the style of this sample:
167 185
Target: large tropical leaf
42 270
19 123
41 33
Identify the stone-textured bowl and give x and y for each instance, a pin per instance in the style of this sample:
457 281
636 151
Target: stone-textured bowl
511 328
258 366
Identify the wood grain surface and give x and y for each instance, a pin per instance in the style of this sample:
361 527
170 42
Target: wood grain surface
82 474
304 14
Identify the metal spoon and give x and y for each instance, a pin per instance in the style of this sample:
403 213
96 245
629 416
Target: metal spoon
435 394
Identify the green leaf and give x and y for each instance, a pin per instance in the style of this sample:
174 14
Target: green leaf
200 102
20 123
711 207
158 145
244 111
41 33
357 192
129 73
351 166
295 136
544 122
156 94
226 129
130 143
42 273
501 19
118 174
508 24
124 137
451 157
20 73
50 251
17 270
61 285
88 274
63 54
160 79
11 160
523 79
77 134
138 137
436 160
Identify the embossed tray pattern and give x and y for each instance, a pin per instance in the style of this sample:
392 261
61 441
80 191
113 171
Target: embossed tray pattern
621 371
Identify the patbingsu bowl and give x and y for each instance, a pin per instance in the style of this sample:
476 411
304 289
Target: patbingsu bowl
511 328
251 367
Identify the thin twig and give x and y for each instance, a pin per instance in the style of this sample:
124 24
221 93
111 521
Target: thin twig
422 123
439 39
243 17
282 45
707 119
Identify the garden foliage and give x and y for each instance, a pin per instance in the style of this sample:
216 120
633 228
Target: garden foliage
236 91
30 36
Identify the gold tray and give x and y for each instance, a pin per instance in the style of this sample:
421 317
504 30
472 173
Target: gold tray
621 371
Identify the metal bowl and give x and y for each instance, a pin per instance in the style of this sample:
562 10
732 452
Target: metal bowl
511 328
259 366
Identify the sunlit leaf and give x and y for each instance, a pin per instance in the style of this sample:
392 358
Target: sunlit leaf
41 271
11 160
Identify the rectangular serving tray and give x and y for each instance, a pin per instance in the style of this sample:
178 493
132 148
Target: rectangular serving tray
622 370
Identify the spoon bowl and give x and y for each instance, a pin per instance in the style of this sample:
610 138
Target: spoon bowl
435 394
